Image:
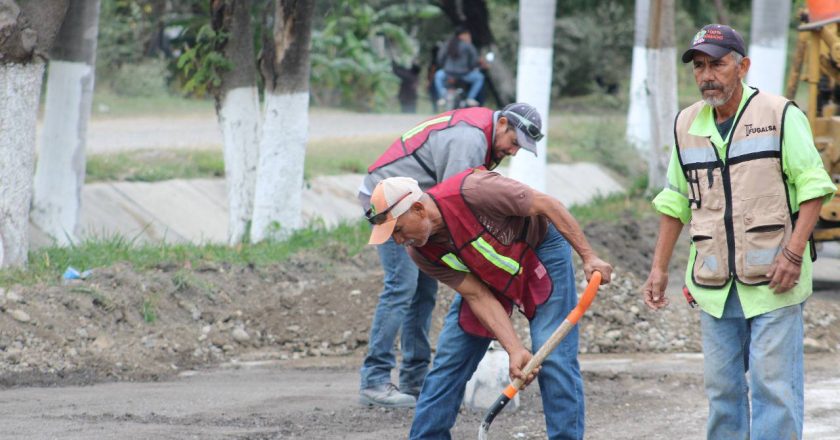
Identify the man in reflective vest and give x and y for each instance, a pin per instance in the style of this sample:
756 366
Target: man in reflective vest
499 244
432 151
745 174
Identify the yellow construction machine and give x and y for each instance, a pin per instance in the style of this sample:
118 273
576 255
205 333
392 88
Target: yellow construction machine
818 50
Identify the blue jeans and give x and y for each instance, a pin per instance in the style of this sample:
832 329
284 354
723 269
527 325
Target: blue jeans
459 353
770 347
405 305
474 77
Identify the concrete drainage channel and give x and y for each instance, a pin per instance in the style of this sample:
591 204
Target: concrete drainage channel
167 211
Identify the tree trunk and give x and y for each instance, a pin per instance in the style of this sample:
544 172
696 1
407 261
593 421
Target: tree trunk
662 98
26 33
768 44
237 107
285 66
533 82
474 15
638 115
60 171
720 9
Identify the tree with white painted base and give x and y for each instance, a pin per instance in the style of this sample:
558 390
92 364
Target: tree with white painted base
768 44
264 151
238 110
60 170
27 31
285 69
533 81
662 96
638 115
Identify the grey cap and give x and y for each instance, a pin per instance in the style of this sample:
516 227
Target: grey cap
528 124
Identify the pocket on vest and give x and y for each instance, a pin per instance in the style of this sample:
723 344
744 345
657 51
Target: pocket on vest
763 238
711 264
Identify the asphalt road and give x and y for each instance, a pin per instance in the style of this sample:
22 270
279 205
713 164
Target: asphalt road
651 396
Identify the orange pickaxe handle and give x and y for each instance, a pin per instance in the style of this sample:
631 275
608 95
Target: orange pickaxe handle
549 346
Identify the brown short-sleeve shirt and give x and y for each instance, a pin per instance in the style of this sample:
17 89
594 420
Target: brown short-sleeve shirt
501 205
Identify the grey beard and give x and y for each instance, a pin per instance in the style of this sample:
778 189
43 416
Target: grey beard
717 102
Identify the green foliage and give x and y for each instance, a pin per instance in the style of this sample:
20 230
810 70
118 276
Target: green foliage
203 63
592 48
351 55
47 264
124 30
145 78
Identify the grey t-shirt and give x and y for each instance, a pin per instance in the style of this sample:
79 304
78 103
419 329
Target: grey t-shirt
446 152
466 61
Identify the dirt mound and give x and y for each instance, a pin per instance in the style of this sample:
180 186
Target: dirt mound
125 324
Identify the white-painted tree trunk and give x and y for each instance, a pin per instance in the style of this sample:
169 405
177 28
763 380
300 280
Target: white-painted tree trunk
60 173
533 82
20 90
638 115
277 201
239 119
662 104
768 45
662 99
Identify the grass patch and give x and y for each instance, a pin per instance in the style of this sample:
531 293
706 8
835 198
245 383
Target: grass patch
148 310
323 158
109 104
344 155
616 206
598 138
154 165
47 264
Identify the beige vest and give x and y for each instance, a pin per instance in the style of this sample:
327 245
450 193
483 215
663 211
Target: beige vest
741 217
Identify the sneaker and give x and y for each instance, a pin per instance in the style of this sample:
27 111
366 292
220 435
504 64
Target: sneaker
387 395
472 102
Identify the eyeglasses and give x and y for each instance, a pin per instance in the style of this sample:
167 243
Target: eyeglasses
530 129
379 218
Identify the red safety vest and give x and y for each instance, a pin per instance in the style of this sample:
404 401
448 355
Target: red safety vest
513 272
413 139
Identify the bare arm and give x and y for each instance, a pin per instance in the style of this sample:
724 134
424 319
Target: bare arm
654 288
560 217
784 274
492 315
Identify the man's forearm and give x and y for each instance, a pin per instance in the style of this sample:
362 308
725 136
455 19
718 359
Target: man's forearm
669 232
489 311
565 223
809 212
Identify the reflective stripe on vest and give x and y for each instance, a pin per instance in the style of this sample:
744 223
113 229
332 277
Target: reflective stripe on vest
695 155
753 146
454 262
515 275
413 132
507 264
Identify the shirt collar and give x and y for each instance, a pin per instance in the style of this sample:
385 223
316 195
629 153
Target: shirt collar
704 124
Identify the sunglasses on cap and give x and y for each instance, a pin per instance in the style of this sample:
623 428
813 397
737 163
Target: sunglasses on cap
378 219
530 129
